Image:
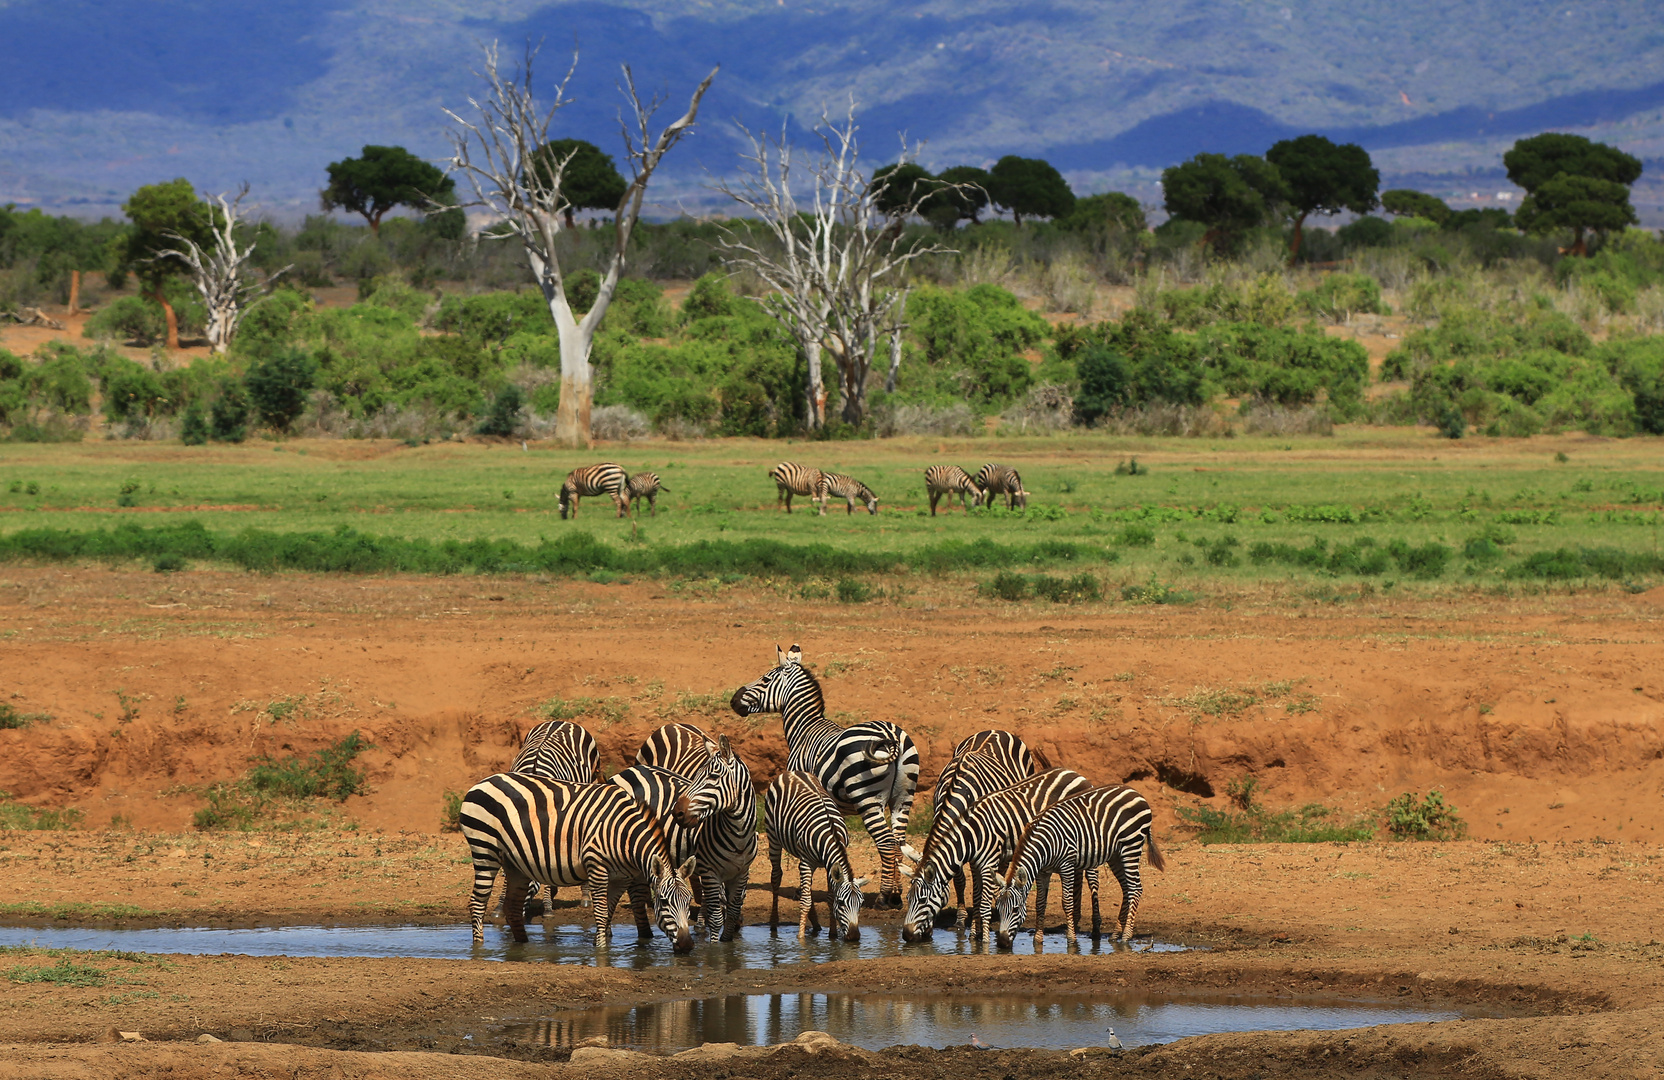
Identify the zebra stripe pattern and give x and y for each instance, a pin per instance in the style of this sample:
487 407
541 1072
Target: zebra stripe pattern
847 488
794 479
659 792
531 829
1001 480
950 480
603 479
644 485
803 821
870 769
684 749
722 806
984 839
1107 825
1008 749
559 750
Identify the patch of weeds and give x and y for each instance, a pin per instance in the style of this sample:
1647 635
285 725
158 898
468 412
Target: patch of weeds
1251 823
12 720
1302 704
1074 590
283 708
607 711
63 973
1131 467
1427 818
129 706
129 493
16 815
1222 701
168 564
450 814
1219 552
1155 592
276 789
1005 586
851 591
813 591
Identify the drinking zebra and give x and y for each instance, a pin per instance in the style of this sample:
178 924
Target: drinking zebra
984 838
849 490
1107 825
566 834
603 479
870 769
557 750
794 479
804 821
1006 748
682 748
644 485
1001 480
950 480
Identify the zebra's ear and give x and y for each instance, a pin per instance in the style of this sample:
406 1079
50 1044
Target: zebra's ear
904 870
779 656
794 655
723 750
686 869
859 883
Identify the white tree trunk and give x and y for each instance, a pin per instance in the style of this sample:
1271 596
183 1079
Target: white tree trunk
814 403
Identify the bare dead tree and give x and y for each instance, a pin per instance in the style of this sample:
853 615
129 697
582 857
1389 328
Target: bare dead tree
833 261
218 273
498 153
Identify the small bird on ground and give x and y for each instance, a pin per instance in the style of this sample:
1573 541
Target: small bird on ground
978 1044
1112 1042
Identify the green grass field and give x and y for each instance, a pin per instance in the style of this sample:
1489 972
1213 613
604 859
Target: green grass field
1245 509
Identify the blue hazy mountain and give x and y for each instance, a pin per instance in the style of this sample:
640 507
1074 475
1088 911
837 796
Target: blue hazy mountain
96 98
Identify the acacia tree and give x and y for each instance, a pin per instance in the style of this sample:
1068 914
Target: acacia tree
217 269
1572 183
1406 202
830 253
589 179
498 151
1323 178
963 190
1029 186
1228 195
163 214
381 178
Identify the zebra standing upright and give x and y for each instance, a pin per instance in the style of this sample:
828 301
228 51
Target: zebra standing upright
1001 480
1107 825
603 479
684 749
644 485
794 479
848 489
804 821
984 838
556 750
564 834
871 769
722 805
950 480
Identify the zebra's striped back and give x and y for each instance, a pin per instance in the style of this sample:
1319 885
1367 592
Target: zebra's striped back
950 480
1106 825
871 769
803 821
794 479
559 750
1001 480
847 488
682 748
603 479
1003 746
569 834
984 838
660 792
644 485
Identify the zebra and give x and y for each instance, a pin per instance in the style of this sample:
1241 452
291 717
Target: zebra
983 838
950 480
804 821
682 748
603 479
1001 480
1107 825
794 479
644 485
722 804
564 833
870 769
848 489
1005 747
557 750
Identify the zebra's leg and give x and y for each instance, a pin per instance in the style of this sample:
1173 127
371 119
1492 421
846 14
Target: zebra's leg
959 895
1068 882
485 879
1132 890
1092 880
806 899
786 493
1041 887
710 887
638 906
734 917
934 495
653 505
514 903
774 886
623 510
889 853
606 896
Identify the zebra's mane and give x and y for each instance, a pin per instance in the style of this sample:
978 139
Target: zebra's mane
814 688
936 820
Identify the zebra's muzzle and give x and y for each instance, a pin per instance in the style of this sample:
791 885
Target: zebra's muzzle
739 703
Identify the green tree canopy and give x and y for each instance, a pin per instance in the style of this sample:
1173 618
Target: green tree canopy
902 187
381 178
1572 183
590 180
1403 202
159 213
1323 178
1111 210
1029 186
1228 195
964 191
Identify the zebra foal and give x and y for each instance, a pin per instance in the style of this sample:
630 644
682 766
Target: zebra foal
603 479
848 489
561 833
1001 480
950 480
1107 825
804 822
644 485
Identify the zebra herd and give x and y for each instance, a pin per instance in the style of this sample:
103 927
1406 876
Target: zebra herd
791 479
685 815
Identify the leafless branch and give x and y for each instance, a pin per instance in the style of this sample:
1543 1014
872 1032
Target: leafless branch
218 273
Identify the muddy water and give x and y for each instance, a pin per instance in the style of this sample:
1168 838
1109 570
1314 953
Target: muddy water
878 1021
571 943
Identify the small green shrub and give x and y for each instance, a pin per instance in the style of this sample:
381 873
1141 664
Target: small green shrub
1131 467
1428 818
1136 535
167 564
12 720
129 318
851 591
450 814
15 815
1078 589
63 973
1252 823
1006 586
1155 592
326 773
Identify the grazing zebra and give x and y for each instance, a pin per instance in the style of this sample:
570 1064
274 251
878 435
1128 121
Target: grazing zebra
803 820
871 769
984 838
1107 825
950 480
644 485
722 805
849 490
1001 480
682 748
566 834
603 479
794 479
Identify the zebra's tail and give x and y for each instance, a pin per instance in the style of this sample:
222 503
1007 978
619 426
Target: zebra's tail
1041 759
1155 853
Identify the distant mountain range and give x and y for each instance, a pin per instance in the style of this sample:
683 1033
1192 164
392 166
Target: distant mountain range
99 97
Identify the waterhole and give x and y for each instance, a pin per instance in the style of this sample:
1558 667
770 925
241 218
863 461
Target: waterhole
568 943
878 1021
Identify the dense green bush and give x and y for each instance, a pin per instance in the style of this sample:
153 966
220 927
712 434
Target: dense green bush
968 345
278 384
128 318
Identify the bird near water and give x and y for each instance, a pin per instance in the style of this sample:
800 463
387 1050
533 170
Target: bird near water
1112 1042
